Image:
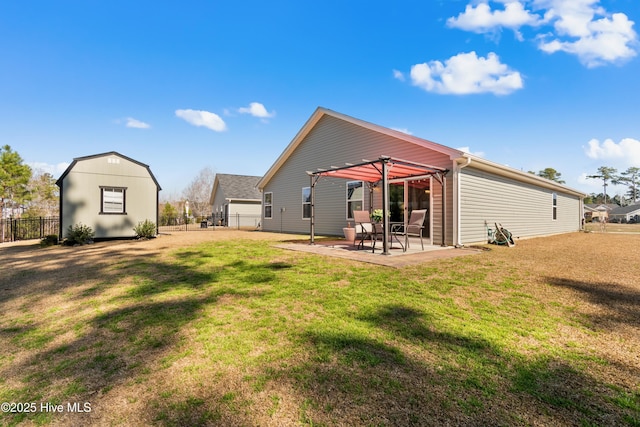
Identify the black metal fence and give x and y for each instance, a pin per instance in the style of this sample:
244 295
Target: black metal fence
13 229
235 221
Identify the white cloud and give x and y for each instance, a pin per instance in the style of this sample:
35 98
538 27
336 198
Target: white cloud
137 124
481 19
626 152
578 27
256 109
595 41
55 170
468 150
403 130
202 118
398 75
584 179
466 73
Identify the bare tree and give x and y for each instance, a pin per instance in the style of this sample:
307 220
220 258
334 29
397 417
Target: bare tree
199 192
44 195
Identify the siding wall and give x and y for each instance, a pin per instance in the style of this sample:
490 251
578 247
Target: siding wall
218 201
523 209
80 192
334 142
244 214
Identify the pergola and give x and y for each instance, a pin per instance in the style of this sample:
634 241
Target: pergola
381 170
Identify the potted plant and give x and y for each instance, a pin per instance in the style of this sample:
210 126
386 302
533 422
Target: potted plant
376 215
349 232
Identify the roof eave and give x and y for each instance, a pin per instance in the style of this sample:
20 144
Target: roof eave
306 128
237 199
109 153
509 172
321 112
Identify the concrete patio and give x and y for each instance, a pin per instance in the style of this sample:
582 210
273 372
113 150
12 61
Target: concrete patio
397 258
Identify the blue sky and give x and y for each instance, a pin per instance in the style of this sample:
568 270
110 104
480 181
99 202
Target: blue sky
185 85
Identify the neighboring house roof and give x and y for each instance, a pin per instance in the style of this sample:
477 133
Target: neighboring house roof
110 153
600 206
236 187
624 210
459 156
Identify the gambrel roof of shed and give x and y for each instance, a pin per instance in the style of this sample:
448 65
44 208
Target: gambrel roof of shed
110 153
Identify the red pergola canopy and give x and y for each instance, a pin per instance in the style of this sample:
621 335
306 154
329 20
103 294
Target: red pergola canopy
383 169
371 171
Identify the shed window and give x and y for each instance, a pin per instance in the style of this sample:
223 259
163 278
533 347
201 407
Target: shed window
306 203
555 206
268 205
112 200
355 196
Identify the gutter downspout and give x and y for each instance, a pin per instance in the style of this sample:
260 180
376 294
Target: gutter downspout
157 211
459 167
60 228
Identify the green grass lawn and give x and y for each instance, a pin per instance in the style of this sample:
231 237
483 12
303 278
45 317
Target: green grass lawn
241 333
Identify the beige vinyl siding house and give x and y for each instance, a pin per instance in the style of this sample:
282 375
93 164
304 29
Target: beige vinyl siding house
476 190
109 192
331 141
236 201
525 208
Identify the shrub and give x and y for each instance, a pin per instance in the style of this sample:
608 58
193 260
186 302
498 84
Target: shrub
49 240
145 230
79 234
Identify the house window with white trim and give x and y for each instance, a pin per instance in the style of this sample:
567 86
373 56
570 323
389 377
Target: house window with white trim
112 200
268 205
306 202
555 207
355 197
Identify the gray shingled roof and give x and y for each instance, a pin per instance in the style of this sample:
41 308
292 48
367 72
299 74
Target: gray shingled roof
602 206
239 186
623 210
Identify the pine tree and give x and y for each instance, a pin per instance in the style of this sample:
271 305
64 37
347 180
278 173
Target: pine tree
14 179
630 178
552 174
